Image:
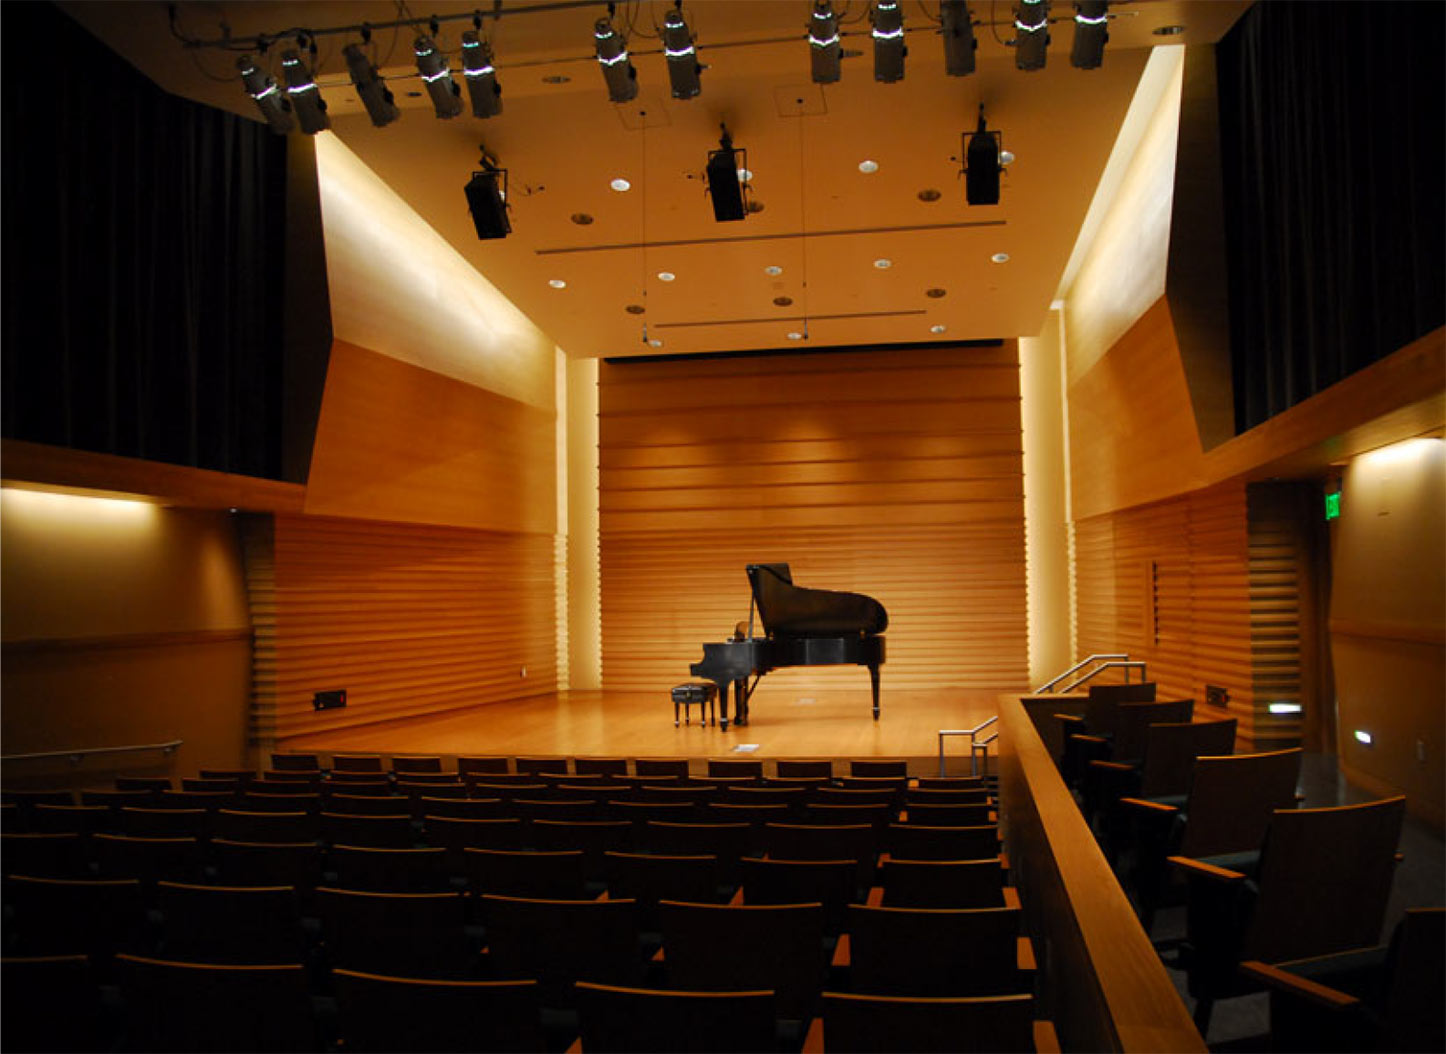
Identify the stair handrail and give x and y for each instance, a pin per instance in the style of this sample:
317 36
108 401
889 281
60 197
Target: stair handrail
1078 666
1138 664
75 756
973 745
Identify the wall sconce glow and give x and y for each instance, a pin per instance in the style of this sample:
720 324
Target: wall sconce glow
80 508
1403 453
1364 737
1284 708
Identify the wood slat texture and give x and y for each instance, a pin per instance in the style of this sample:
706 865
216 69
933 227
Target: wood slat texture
896 474
1169 583
1279 621
409 619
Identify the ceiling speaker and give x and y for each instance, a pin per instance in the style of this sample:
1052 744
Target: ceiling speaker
489 210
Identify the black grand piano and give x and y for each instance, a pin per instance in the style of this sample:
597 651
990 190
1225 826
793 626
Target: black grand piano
801 627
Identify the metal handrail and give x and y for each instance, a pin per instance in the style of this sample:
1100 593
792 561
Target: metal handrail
75 756
973 745
1126 666
1077 666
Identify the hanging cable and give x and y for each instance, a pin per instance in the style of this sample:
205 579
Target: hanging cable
803 218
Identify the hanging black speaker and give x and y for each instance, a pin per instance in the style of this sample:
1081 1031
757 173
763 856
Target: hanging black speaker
486 198
725 185
981 166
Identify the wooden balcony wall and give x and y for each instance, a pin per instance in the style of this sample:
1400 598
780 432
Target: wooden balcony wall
893 473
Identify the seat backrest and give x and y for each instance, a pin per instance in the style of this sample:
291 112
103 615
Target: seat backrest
559 942
611 1017
661 767
725 947
789 767
520 873
1171 749
52 1002
243 863
651 877
933 952
942 883
378 1013
480 765
1417 975
1233 797
1132 719
392 831
853 1022
231 924
295 762
391 870
814 841
909 841
831 883
1102 706
417 763
409 934
601 766
1325 877
356 763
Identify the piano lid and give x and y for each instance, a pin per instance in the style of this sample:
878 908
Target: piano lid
788 610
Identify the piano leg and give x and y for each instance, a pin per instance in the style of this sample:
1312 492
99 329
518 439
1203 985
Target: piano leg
874 684
740 703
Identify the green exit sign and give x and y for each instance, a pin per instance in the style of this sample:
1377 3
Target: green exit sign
1333 505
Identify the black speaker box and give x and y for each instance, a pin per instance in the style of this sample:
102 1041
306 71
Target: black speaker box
489 212
724 186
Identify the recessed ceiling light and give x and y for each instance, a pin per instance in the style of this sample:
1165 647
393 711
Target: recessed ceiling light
795 335
868 167
938 327
745 176
557 283
655 342
582 219
883 263
1000 258
635 309
1006 157
929 194
773 270
935 293
1169 31
620 184
783 301
666 276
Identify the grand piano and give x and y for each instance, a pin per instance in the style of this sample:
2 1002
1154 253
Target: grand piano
801 627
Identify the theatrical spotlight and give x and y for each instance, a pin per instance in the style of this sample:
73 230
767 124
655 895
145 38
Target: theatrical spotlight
269 100
487 199
432 65
959 42
1091 33
823 43
683 67
889 49
981 165
375 95
305 96
617 67
726 168
1031 19
480 76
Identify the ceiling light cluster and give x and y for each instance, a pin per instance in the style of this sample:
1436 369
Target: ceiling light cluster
1091 33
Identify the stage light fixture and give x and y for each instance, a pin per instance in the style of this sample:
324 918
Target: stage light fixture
726 185
682 56
1031 20
959 42
487 199
432 65
617 67
824 45
269 100
1091 33
981 166
306 100
381 106
481 77
889 47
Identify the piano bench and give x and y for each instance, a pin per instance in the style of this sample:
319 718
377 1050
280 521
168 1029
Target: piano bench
701 694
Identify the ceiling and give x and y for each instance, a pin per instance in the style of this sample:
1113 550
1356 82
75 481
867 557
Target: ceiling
822 221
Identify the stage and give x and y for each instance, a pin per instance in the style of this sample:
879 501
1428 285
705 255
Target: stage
635 724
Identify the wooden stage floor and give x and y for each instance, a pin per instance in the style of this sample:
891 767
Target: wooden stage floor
637 724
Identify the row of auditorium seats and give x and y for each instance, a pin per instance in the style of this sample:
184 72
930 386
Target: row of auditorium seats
521 931
602 766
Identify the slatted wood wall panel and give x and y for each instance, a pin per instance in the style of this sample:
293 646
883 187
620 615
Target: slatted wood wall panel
258 554
1275 626
896 474
409 619
1169 583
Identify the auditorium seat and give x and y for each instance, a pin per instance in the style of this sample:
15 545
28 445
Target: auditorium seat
947 796
242 776
559 942
935 952
649 878
912 841
285 762
382 832
793 797
618 1020
875 767
458 833
230 924
727 841
878 815
153 784
592 837
301 779
260 799
95 917
955 815
191 798
831 883
887 796
600 766
165 823
789 767
175 1006
661 767
873 1024
356 763
856 842
402 934
941 883
538 766
52 1003
380 1014
246 825
405 763
640 812
115 800
244 863
149 859
508 788
366 805
72 819
489 765
390 870
566 809
556 875
750 767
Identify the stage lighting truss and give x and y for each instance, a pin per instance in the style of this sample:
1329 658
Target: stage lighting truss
1031 22
1091 33
889 47
480 75
617 66
380 104
682 56
274 106
306 100
437 76
958 33
824 45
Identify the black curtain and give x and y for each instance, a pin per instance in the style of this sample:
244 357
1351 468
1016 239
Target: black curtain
142 260
1331 124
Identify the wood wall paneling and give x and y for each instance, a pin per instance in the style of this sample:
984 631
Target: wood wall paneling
895 474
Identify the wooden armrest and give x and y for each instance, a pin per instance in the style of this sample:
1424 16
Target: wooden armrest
1024 960
1073 719
1046 1040
1084 737
841 955
1283 981
658 955
1204 870
813 1041
575 1047
736 900
875 899
1149 806
1004 864
1113 766
1011 897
